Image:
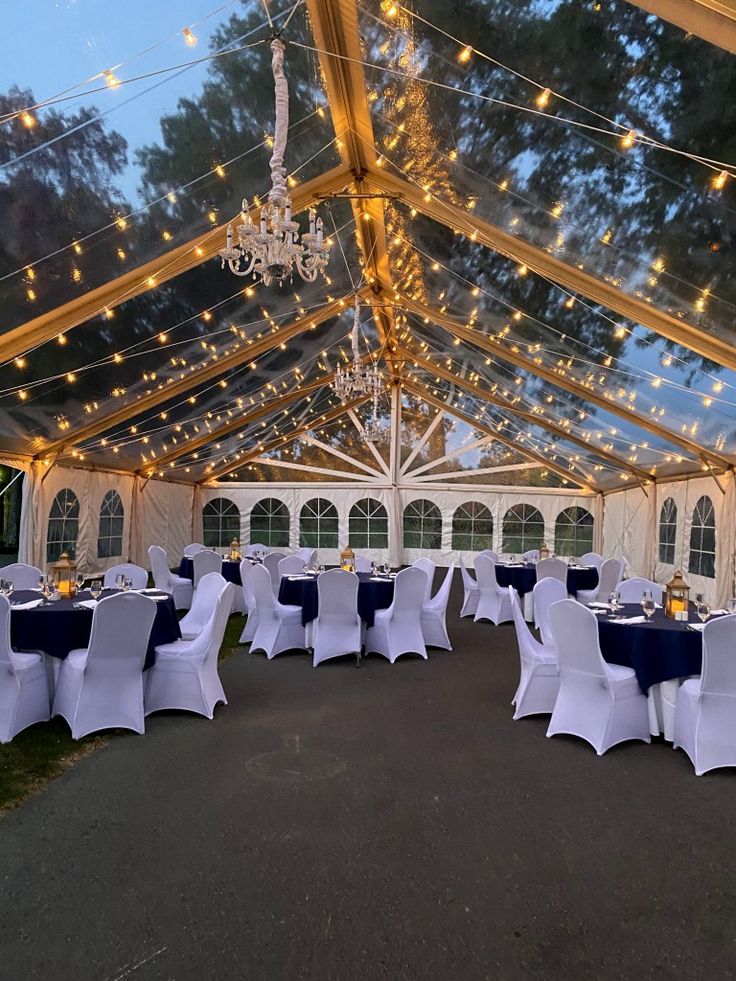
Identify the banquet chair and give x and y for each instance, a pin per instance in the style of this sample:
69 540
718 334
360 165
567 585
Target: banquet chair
493 600
631 590
256 548
539 679
592 558
609 576
136 573
204 563
363 564
184 675
271 564
292 565
167 581
532 555
308 555
192 549
251 610
552 569
279 627
545 593
471 593
434 615
427 566
493 556
24 690
101 686
205 596
704 710
599 702
21 575
336 630
397 630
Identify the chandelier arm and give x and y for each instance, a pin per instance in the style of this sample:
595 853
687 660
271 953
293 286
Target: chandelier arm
279 190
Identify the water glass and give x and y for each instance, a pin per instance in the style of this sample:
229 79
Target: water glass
47 587
703 611
374 568
615 600
80 580
648 606
127 584
5 587
732 605
386 568
95 588
119 580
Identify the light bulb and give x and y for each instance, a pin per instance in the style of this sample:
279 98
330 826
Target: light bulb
112 80
189 37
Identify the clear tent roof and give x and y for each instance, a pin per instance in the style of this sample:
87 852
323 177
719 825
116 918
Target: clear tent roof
549 251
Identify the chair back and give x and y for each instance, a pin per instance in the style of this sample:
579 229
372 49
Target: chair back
609 577
524 637
262 585
485 572
205 597
337 591
192 549
136 573
121 629
592 558
442 597
7 661
292 565
246 569
532 555
256 548
204 563
552 569
468 582
21 575
160 568
546 592
410 589
631 590
427 566
271 564
308 555
718 676
575 637
208 643
362 563
493 556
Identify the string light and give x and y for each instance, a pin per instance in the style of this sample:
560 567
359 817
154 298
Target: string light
28 119
112 81
629 139
189 37
465 55
718 182
542 100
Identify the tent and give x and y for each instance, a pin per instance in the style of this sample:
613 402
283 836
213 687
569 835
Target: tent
545 283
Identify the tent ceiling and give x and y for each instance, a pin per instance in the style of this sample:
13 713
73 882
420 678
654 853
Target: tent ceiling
712 20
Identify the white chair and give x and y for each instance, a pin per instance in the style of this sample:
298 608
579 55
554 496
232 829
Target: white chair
336 630
192 549
427 566
101 686
24 690
21 575
545 593
552 569
309 555
539 680
705 707
292 565
167 581
397 630
631 590
249 630
532 555
471 593
609 577
256 548
601 703
184 675
205 597
434 615
362 563
279 627
493 600
136 573
592 558
204 563
271 563
493 556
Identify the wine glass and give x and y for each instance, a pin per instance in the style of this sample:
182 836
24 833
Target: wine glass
127 584
703 610
615 601
119 580
95 588
4 584
79 578
732 605
648 606
9 587
47 587
386 568
374 568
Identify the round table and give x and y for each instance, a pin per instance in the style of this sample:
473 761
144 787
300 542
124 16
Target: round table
373 594
230 570
524 577
59 626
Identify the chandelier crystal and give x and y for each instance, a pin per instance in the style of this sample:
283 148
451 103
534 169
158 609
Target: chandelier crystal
273 249
357 378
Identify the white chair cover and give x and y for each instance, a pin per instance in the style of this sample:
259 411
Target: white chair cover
398 629
184 675
21 575
271 563
428 567
532 555
706 706
631 590
256 548
493 556
206 596
249 600
609 577
204 563
292 565
101 686
192 549
279 627
434 615
592 558
601 703
24 691
539 679
164 579
493 600
546 592
336 630
309 555
471 593
362 563
138 574
552 569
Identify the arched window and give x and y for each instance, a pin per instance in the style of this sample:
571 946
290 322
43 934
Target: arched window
110 533
472 527
702 560
523 528
667 531
63 527
269 523
318 524
422 525
368 524
574 532
220 522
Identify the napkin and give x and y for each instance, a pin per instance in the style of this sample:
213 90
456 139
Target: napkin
89 604
626 620
379 578
600 606
298 578
697 626
148 589
30 605
718 613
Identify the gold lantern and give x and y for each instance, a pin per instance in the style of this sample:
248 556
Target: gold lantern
677 594
347 559
234 550
543 551
65 575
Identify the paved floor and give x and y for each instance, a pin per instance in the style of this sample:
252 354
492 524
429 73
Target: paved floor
387 822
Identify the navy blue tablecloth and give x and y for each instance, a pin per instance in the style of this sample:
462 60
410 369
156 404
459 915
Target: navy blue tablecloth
372 596
657 651
230 570
59 627
524 577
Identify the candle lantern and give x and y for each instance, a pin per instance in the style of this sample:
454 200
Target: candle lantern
65 575
677 594
347 559
543 551
234 550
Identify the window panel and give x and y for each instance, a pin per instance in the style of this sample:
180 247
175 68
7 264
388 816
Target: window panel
667 531
574 532
318 524
422 525
110 533
702 558
269 523
523 528
220 522
63 526
472 527
368 524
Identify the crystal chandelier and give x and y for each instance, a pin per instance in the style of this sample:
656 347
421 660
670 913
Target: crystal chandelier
273 248
375 431
357 378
